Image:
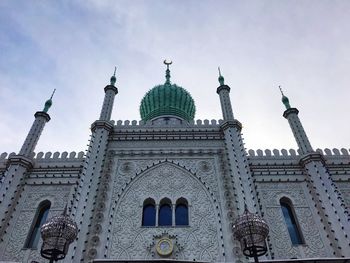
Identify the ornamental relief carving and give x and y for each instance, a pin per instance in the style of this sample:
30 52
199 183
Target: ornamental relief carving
20 225
344 189
279 235
200 240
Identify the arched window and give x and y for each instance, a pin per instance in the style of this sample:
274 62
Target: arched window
165 213
181 212
291 221
149 213
39 220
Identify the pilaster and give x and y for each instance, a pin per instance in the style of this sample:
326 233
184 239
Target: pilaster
89 203
11 189
330 207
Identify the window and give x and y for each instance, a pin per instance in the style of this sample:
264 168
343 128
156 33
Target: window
39 220
181 212
291 221
149 213
165 213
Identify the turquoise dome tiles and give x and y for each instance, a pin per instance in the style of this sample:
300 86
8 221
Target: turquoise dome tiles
167 100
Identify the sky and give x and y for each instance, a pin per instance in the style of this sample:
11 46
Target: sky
73 46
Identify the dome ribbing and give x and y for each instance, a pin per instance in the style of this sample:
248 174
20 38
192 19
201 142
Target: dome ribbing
167 100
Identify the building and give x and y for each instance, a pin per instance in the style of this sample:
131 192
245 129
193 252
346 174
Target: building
171 188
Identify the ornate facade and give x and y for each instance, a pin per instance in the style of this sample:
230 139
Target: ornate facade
303 195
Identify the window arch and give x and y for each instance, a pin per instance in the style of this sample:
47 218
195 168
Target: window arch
291 221
165 213
149 213
181 212
39 220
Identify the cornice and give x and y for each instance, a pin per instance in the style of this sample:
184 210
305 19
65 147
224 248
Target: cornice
43 114
223 87
111 87
99 124
289 111
231 124
307 158
20 160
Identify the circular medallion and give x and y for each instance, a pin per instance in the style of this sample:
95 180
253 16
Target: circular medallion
164 247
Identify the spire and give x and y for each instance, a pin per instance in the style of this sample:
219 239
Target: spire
113 78
285 100
167 72
48 103
221 78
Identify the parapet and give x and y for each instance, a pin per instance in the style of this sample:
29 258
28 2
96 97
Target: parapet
55 157
285 153
166 123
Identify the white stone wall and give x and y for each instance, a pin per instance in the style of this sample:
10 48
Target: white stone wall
12 248
195 179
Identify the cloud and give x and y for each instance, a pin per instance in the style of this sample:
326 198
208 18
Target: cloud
74 46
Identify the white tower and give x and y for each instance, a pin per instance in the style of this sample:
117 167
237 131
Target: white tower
18 167
328 201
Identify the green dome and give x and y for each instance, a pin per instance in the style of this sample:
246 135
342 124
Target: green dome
167 100
285 101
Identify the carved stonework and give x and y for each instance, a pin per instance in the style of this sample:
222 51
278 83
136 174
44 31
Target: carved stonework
279 236
200 240
17 235
344 188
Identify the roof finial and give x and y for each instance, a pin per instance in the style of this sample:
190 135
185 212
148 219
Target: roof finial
167 72
285 100
113 78
221 78
279 86
48 103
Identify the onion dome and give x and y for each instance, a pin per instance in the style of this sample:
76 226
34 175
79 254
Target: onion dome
48 103
167 100
285 100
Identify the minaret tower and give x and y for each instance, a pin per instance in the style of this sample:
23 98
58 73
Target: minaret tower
291 114
236 155
89 201
110 92
41 118
329 204
18 166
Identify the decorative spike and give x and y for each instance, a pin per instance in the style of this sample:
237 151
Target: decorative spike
221 78
113 78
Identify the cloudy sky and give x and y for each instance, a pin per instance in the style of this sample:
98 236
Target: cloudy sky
73 46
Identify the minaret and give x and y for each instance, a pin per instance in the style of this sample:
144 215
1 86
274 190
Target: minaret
18 167
224 93
328 202
237 165
110 92
291 114
41 118
236 155
89 202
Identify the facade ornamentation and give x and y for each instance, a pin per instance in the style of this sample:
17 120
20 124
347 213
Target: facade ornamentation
169 156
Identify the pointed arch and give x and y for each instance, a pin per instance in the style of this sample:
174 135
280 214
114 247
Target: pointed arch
39 219
165 212
291 221
149 212
181 212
